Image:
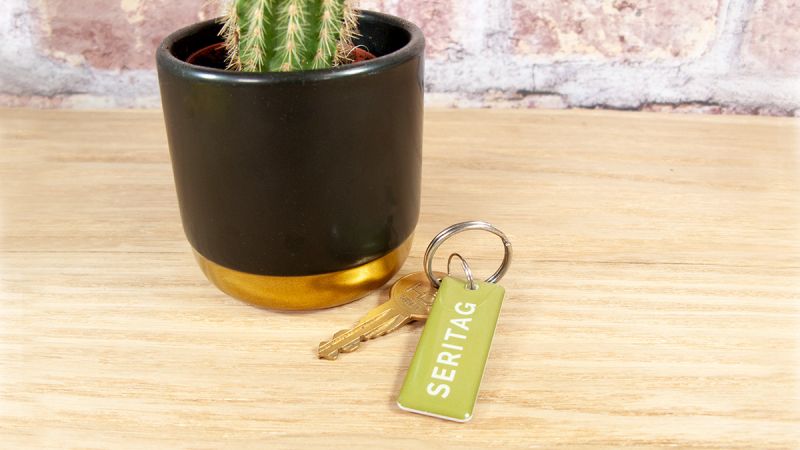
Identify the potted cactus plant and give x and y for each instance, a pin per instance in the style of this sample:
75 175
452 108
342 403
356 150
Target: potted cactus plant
294 130
267 36
270 36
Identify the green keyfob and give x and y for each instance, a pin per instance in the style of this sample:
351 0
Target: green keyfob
445 373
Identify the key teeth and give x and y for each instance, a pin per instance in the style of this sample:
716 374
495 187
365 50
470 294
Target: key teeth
333 354
350 348
329 356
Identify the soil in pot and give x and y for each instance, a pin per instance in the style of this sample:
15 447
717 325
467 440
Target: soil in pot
214 56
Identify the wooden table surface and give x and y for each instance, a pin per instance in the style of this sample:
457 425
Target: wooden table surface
654 297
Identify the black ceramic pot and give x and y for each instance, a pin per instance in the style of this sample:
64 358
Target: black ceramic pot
298 190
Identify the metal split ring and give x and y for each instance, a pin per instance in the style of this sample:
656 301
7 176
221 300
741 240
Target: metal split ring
448 232
467 271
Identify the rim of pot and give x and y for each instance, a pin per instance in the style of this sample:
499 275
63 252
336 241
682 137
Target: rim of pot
413 48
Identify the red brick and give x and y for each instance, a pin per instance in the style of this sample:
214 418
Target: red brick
434 17
374 5
618 29
113 34
772 39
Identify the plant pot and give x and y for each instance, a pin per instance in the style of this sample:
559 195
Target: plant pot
298 190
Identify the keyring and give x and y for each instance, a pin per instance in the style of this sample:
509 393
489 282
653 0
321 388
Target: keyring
448 232
467 271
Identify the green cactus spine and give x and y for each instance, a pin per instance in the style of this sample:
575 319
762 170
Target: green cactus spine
285 35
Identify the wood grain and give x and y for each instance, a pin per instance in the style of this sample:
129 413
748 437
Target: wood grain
654 299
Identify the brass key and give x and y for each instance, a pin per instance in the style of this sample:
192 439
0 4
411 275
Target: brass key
410 299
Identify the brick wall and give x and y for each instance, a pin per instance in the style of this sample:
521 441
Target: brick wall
710 56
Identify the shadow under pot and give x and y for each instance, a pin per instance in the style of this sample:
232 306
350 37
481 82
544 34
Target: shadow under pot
297 190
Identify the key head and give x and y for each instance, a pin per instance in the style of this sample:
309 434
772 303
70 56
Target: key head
413 294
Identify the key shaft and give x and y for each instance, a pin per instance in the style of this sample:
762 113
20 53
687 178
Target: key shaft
410 299
346 341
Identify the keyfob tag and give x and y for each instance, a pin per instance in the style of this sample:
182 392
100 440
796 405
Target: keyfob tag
445 373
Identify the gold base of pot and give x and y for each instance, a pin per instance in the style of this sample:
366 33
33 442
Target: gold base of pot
306 292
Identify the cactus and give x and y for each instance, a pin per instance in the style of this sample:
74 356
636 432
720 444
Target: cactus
286 35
